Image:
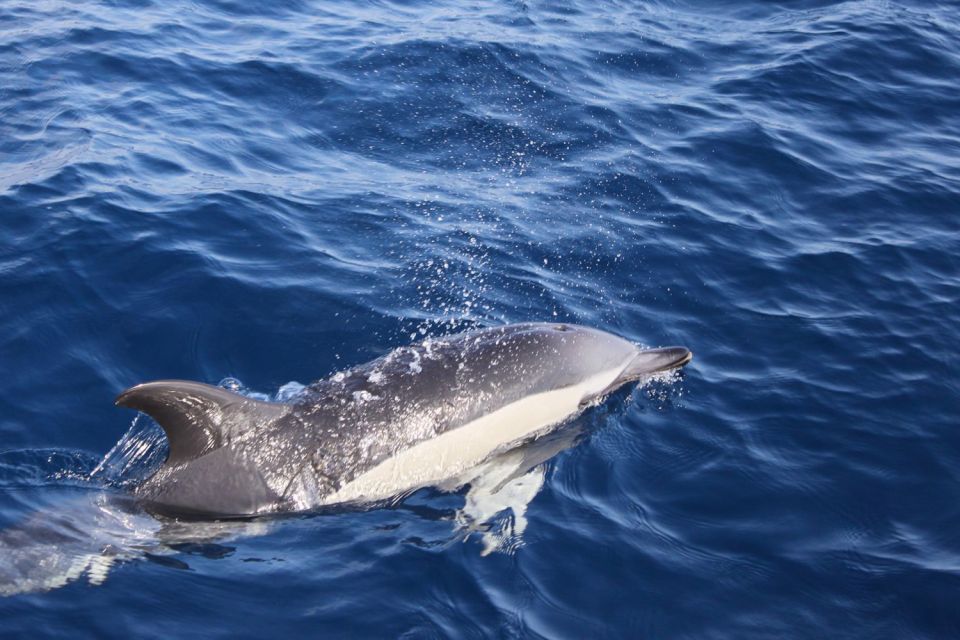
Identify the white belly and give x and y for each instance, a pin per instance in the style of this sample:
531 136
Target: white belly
432 461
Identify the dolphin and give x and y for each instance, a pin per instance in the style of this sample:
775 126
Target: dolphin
415 417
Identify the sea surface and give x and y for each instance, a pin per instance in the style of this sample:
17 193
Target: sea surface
260 194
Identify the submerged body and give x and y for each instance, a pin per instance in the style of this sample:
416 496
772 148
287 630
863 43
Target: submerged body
413 418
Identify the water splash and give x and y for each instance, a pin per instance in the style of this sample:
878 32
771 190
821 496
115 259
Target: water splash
138 453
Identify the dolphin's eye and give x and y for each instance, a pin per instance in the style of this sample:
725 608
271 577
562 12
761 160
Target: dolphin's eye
561 327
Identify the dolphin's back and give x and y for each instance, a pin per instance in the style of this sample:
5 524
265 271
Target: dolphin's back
417 416
373 413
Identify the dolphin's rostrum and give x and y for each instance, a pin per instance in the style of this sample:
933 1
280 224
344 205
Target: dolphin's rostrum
413 418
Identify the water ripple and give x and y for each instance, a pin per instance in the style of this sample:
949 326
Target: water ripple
209 188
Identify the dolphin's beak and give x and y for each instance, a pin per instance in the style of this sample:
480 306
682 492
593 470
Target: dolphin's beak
651 361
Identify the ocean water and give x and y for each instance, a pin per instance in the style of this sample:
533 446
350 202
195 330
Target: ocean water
261 194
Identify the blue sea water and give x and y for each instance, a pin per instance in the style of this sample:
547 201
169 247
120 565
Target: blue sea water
259 193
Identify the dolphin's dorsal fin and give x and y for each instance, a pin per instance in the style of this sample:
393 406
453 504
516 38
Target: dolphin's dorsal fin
197 418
